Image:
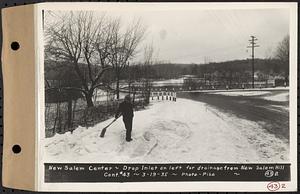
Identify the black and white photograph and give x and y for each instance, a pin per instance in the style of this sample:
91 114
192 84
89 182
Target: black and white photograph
167 84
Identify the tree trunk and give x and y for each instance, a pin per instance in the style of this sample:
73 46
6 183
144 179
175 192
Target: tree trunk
73 114
148 93
56 118
117 87
69 121
59 119
129 87
133 96
89 99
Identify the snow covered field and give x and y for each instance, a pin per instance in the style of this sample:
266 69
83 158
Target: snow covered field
182 131
268 94
242 93
168 82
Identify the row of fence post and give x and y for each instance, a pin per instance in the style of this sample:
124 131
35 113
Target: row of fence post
171 96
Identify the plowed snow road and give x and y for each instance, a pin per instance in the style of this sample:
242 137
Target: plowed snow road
183 131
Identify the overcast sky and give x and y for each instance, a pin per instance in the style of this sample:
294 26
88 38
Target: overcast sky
198 36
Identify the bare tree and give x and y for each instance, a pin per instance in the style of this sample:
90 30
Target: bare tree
124 47
283 53
148 61
81 39
92 45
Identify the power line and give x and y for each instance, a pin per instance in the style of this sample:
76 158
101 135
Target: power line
227 27
253 45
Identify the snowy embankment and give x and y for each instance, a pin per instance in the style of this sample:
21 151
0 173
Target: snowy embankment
241 90
182 131
243 93
168 82
268 94
282 97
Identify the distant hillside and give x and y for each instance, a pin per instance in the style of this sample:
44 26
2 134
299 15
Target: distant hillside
58 70
264 66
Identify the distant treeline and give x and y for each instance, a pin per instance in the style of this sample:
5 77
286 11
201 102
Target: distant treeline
271 67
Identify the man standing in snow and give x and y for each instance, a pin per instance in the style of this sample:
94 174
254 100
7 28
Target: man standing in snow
126 109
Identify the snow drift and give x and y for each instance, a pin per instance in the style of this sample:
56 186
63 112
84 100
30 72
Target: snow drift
166 132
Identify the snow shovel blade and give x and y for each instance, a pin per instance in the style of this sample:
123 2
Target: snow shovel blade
103 132
104 129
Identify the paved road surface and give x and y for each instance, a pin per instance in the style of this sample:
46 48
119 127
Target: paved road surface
273 115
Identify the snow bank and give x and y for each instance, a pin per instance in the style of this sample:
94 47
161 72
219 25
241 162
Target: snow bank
168 82
282 97
268 147
182 131
242 90
271 95
242 93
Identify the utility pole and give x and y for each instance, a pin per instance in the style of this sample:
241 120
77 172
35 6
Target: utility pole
252 45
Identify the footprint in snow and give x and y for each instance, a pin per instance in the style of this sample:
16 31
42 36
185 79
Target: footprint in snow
139 146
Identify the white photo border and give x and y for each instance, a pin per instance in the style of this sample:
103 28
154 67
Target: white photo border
163 186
